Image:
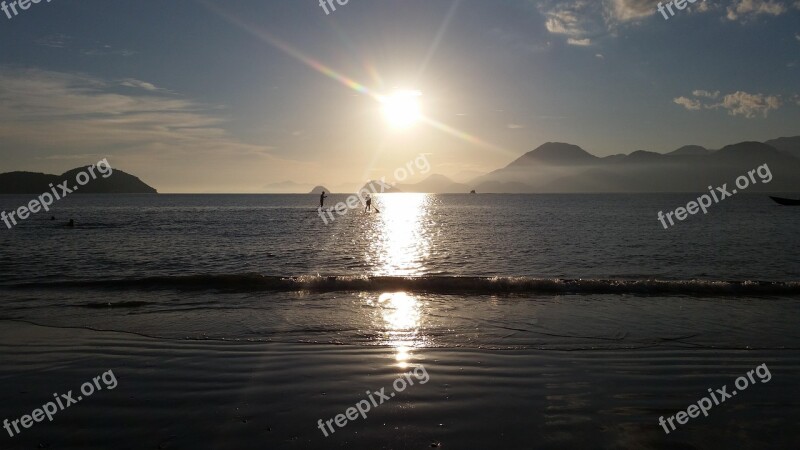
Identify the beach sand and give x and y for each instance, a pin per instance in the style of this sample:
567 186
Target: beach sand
175 394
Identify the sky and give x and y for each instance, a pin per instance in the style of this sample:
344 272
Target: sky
246 95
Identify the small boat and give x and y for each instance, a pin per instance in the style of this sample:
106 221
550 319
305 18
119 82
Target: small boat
785 201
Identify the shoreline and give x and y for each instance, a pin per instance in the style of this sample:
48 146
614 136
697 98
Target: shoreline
213 394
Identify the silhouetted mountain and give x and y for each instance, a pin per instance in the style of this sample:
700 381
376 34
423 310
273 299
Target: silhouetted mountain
690 150
747 150
555 153
642 156
436 183
319 189
617 157
26 182
567 168
789 145
118 182
379 187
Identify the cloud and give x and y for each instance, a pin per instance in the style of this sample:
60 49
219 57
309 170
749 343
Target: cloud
514 126
582 19
707 94
107 50
566 19
688 103
750 105
630 10
179 144
517 40
53 40
739 103
138 84
60 40
578 20
585 19
580 42
704 6
744 10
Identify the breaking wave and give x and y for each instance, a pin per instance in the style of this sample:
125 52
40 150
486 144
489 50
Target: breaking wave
436 284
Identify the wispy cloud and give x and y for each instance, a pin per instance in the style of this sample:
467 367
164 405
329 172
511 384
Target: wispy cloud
518 40
586 19
738 103
580 42
707 94
629 10
64 115
750 105
565 20
107 50
576 19
580 20
688 103
54 40
139 84
63 41
744 10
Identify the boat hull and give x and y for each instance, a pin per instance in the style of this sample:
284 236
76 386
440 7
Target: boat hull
785 201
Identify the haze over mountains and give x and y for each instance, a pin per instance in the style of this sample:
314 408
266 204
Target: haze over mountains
553 167
564 168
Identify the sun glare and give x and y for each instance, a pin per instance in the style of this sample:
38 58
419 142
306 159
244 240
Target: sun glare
401 109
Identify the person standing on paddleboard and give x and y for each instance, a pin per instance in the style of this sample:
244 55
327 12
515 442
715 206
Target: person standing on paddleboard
369 204
322 198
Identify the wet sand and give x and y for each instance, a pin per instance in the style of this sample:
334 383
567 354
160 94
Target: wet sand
175 394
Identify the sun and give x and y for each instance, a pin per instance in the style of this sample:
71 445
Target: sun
401 108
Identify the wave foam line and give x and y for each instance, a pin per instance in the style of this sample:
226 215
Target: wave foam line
437 284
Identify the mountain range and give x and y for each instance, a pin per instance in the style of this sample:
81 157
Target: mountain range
557 167
118 182
553 167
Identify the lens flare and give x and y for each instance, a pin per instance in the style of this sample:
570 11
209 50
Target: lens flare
401 108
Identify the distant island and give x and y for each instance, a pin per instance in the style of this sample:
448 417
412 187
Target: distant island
319 190
118 182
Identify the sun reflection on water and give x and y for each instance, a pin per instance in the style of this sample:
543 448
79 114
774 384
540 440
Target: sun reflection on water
399 317
400 246
401 239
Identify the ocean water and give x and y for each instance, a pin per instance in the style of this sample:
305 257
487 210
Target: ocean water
544 321
181 256
495 271
746 237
